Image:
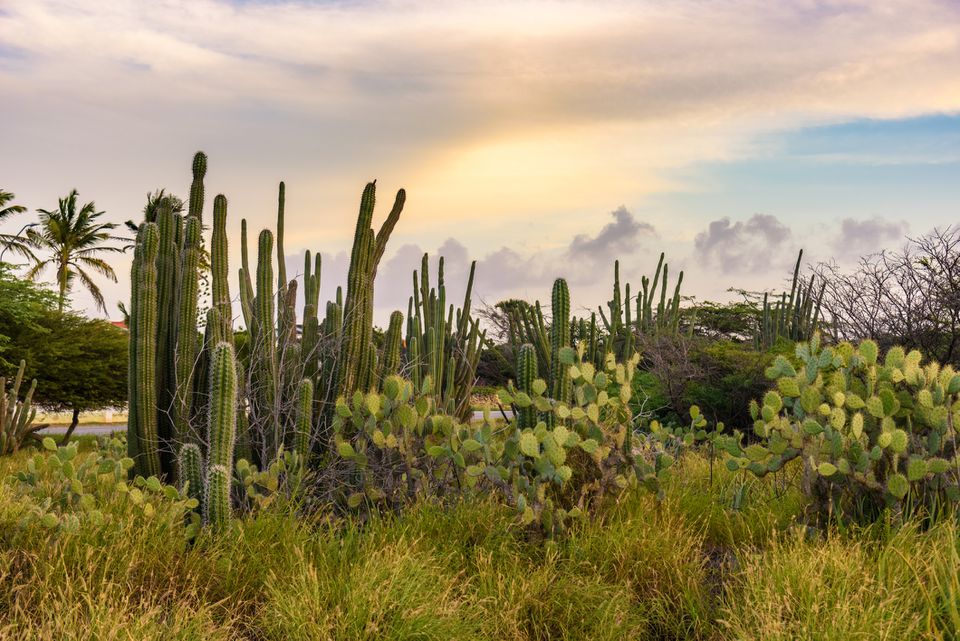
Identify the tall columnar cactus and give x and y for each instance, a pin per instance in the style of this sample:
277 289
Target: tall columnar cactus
264 352
219 259
390 361
216 502
304 421
526 374
191 471
186 348
147 462
246 284
443 343
16 414
795 318
559 339
196 187
168 269
223 406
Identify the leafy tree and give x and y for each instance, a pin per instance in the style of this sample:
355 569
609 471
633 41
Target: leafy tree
24 306
12 242
73 239
80 364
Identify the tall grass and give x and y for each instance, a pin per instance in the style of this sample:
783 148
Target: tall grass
689 567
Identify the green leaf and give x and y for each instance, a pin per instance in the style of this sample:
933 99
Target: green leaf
436 451
50 445
345 450
539 386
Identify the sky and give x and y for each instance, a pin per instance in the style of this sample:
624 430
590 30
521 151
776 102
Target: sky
540 139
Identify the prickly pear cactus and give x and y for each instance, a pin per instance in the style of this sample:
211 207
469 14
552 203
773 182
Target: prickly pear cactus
872 432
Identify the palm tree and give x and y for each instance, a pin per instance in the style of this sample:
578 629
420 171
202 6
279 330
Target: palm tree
12 241
73 238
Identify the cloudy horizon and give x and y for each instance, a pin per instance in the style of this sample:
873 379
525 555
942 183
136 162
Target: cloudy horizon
540 139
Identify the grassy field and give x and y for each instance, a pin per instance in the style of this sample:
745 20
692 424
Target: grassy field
688 567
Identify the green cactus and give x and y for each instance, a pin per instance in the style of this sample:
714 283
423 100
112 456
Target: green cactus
167 265
16 414
526 374
222 426
264 351
216 502
795 318
304 421
147 462
219 258
195 209
191 471
559 339
870 431
443 343
390 361
186 349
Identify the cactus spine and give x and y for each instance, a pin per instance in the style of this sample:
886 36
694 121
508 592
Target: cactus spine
526 374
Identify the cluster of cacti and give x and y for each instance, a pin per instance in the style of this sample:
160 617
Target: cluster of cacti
336 355
443 343
63 491
527 327
397 449
871 433
283 399
16 414
621 325
794 318
170 368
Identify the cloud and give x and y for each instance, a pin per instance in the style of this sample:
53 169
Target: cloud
620 235
750 246
489 112
859 237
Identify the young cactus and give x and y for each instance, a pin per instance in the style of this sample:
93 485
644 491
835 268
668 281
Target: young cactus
526 374
304 421
191 471
216 502
223 406
559 339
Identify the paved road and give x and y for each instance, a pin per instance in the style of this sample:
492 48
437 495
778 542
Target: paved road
108 428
